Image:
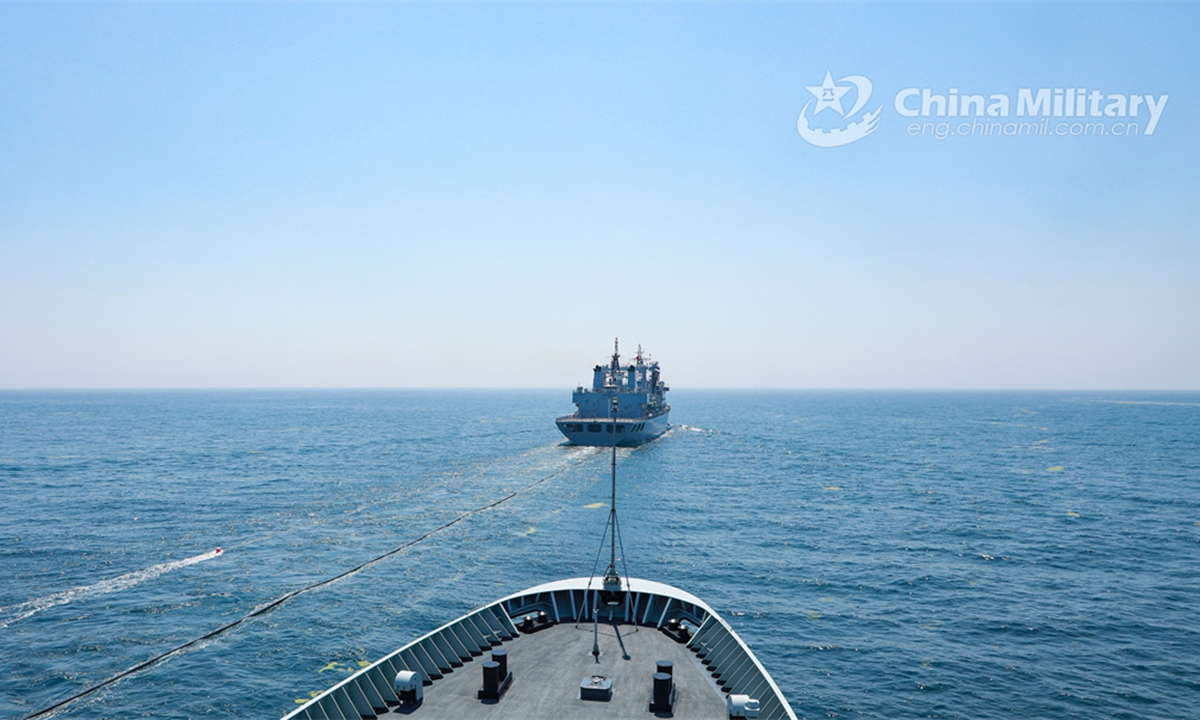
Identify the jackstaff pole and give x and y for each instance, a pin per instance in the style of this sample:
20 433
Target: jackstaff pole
612 507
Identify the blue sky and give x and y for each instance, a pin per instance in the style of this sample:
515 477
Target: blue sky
485 194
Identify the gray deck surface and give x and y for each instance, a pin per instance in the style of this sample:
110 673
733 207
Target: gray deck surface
548 666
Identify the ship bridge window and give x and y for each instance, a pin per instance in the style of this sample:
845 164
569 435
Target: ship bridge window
620 427
594 427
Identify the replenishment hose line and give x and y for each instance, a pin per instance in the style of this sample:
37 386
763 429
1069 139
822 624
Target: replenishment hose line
263 609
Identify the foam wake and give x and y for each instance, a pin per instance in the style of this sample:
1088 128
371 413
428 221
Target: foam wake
20 611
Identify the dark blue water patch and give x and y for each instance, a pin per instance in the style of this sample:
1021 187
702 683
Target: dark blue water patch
952 555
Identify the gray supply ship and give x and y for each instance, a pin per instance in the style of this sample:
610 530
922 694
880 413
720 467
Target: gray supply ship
610 647
641 410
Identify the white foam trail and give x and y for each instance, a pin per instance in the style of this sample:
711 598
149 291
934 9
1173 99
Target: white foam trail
23 610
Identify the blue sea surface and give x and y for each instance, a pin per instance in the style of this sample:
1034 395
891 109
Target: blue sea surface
886 554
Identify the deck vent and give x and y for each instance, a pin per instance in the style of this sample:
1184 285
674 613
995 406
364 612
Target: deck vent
496 677
742 706
596 687
409 687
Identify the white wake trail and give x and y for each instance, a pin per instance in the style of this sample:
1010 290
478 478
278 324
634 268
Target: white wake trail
28 608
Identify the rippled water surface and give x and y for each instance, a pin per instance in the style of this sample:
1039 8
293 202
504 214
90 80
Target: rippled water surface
887 555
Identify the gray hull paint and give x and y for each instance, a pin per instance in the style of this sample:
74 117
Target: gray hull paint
598 432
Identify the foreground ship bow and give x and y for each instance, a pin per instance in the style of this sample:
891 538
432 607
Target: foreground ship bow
641 410
661 653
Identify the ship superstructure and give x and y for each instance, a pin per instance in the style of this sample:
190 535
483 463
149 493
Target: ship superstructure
641 411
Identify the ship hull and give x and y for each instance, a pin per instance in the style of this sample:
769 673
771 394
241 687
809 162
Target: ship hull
598 432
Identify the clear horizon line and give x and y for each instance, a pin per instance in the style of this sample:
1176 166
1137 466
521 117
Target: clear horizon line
493 388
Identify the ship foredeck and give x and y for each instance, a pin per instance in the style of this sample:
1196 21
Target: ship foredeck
652 637
548 667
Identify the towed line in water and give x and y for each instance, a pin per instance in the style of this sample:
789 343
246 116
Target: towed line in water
262 609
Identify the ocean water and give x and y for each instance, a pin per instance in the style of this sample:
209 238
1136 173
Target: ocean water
886 554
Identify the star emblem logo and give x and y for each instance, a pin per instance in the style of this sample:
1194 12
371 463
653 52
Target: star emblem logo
828 94
855 123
